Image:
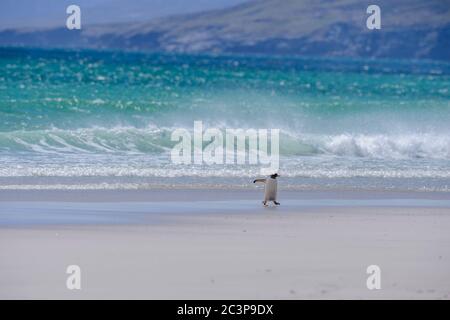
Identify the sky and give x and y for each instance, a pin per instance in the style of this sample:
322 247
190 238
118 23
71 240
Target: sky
49 13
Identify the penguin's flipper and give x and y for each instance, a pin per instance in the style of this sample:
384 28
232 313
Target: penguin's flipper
259 180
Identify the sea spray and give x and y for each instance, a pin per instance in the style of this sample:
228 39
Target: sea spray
252 146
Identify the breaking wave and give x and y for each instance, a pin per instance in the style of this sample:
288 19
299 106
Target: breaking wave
126 140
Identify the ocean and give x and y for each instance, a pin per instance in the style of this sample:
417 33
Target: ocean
103 120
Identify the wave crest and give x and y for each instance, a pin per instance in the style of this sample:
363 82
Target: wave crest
126 140
388 146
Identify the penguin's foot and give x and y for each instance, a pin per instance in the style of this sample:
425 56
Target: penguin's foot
277 203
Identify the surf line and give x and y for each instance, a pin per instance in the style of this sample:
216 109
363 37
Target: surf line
209 147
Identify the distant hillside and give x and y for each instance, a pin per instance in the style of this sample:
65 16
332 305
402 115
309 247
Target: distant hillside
410 29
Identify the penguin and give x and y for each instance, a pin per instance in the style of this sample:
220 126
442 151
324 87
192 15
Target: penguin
270 190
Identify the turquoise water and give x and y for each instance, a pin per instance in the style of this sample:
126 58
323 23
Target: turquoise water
86 119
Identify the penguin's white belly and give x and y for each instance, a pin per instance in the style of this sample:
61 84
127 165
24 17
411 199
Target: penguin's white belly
270 190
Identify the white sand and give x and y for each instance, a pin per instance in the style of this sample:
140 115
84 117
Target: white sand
317 252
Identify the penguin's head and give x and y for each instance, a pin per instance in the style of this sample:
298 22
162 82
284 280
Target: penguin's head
274 176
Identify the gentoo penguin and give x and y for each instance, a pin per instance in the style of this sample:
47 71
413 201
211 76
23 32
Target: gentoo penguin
270 190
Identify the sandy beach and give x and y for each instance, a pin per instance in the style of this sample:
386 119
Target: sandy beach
216 244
